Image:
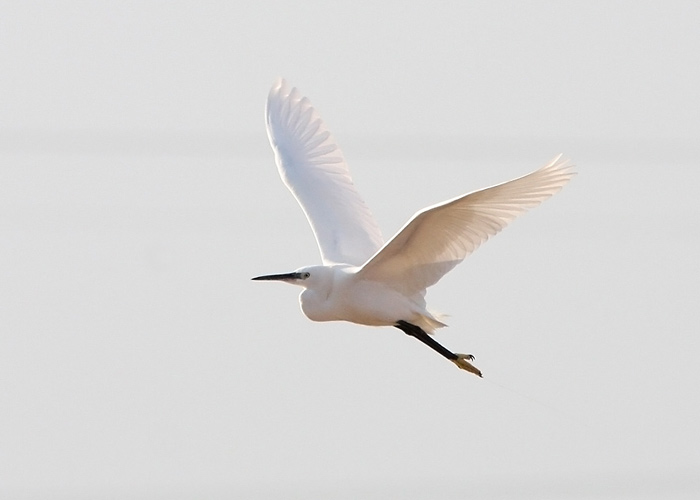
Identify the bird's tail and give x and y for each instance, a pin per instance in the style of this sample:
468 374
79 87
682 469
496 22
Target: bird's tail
430 322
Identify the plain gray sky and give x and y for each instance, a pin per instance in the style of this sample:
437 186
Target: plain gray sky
138 195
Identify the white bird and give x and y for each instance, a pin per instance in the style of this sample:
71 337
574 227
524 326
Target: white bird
363 279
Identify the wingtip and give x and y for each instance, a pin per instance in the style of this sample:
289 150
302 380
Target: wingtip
281 92
276 97
561 162
560 167
279 83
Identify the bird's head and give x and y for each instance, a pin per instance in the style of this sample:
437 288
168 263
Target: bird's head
304 276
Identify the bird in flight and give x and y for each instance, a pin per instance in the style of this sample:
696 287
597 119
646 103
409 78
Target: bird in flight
364 279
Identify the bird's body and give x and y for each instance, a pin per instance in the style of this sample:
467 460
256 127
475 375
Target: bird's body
363 279
339 293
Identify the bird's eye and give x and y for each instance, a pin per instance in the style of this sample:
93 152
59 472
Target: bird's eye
305 275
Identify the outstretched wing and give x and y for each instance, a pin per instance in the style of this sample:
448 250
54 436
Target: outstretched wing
312 166
439 237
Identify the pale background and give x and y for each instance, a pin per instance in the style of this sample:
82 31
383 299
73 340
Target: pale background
138 195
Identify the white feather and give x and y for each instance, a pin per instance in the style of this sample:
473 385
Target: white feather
313 168
439 237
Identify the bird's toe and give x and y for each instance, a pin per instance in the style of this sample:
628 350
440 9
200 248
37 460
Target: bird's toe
463 363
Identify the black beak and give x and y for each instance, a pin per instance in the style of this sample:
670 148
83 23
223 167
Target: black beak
278 277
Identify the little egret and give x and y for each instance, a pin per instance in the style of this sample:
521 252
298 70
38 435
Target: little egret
363 279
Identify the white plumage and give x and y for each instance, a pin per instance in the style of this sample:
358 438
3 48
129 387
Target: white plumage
439 237
364 280
313 168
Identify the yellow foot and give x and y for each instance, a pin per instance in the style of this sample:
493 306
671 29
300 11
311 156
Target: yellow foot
463 363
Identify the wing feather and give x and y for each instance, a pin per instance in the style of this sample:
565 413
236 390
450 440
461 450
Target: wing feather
439 237
313 168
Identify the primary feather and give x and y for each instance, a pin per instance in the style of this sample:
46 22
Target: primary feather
313 168
439 237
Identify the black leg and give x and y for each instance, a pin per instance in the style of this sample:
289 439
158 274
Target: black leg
417 332
459 359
